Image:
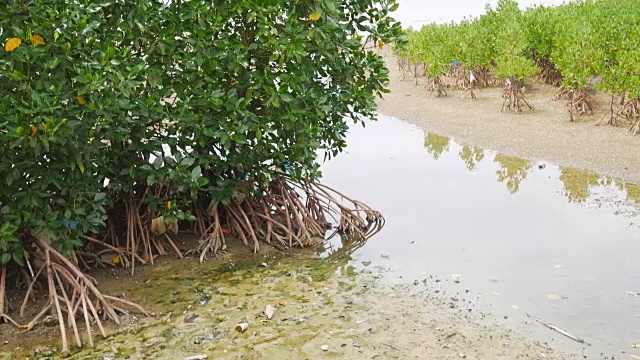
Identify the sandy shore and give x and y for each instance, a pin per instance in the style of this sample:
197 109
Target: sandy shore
542 134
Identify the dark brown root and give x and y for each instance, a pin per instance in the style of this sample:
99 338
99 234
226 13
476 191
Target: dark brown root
548 74
291 214
435 85
72 295
513 96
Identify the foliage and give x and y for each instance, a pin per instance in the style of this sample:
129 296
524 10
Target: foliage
172 103
511 43
583 40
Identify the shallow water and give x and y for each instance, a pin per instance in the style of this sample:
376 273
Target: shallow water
526 237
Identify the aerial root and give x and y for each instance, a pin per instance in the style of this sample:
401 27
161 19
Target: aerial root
580 104
563 94
435 84
548 74
3 298
631 111
513 96
291 214
73 295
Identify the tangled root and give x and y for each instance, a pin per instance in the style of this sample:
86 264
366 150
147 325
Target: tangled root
580 104
563 94
579 101
483 76
460 74
73 295
513 96
434 84
631 111
549 74
291 214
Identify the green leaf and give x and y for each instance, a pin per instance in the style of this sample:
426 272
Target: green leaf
18 258
187 161
196 173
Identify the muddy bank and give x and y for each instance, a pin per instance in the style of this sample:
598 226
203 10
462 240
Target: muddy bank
324 308
544 133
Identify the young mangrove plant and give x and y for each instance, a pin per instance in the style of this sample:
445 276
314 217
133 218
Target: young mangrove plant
512 66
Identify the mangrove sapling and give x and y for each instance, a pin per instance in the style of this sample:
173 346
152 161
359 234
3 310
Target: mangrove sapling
513 65
469 85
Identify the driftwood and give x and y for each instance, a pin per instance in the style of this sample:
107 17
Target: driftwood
557 329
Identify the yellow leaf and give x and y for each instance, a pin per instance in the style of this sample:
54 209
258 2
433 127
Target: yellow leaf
37 40
34 130
380 44
81 100
314 16
12 44
116 259
169 204
81 167
24 326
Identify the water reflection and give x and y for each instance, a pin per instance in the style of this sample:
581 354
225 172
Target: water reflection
512 171
436 145
471 156
578 184
633 192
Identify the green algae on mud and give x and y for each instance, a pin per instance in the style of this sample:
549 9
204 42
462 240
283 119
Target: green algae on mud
182 292
325 308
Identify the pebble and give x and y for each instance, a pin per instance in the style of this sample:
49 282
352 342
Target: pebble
324 347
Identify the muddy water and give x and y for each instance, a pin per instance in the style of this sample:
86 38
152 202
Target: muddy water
525 237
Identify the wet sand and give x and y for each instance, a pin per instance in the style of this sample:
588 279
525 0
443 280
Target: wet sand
542 134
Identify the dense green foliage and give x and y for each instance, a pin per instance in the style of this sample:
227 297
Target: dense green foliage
583 40
172 105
